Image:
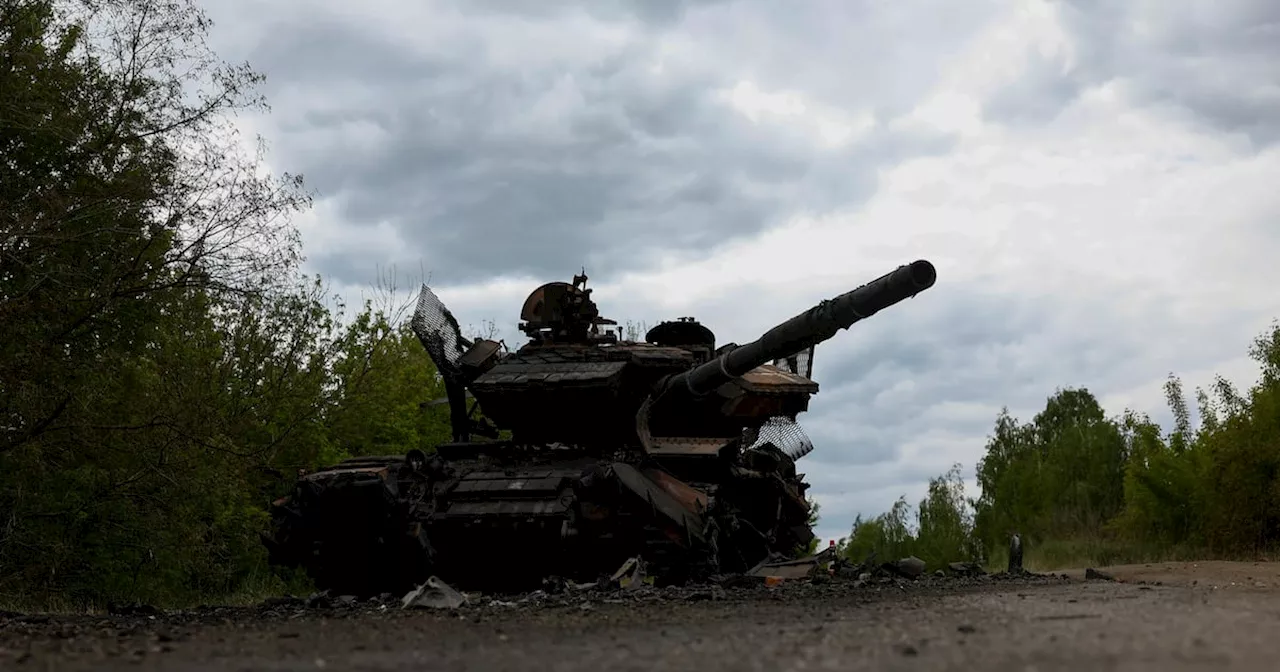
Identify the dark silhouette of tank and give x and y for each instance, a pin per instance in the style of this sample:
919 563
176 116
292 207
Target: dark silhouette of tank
592 450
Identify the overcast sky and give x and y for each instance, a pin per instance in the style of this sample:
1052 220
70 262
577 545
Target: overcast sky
1097 182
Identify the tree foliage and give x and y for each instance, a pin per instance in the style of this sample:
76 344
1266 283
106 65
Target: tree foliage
164 367
1075 474
939 532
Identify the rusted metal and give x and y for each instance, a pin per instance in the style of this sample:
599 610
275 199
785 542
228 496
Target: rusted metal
671 453
689 497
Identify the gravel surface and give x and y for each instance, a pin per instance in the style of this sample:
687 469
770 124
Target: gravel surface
1149 617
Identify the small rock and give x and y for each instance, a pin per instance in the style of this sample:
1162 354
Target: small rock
967 629
282 601
712 593
910 567
135 609
1093 574
966 568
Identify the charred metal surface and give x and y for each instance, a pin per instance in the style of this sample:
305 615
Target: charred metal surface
671 451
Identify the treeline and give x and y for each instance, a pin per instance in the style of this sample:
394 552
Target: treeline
165 369
1079 485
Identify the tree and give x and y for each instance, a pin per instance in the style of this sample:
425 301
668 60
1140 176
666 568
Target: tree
1062 474
123 188
154 345
886 536
944 522
386 386
812 548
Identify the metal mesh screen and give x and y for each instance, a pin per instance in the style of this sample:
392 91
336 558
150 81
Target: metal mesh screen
800 362
439 333
786 434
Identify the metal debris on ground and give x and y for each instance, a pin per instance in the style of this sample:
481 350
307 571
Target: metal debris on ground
800 568
1015 554
434 594
630 575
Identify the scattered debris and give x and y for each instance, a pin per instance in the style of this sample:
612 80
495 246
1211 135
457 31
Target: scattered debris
630 575
909 567
434 594
966 569
800 568
135 609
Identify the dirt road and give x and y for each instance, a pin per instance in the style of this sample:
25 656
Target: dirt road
1204 616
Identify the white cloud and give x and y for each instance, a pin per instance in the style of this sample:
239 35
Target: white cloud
831 127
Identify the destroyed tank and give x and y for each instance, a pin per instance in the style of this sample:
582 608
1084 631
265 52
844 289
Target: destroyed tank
580 451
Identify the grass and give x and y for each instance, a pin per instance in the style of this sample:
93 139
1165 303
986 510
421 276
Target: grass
259 585
1059 554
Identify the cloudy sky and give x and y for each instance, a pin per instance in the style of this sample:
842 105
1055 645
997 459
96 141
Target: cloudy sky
1097 182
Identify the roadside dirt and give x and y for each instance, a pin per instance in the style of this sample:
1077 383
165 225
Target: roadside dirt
1199 616
1215 575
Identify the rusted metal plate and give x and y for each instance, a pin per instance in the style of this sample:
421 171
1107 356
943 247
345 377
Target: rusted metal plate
644 354
690 498
517 486
693 446
788 571
547 372
380 471
508 507
798 568
769 378
520 473
662 501
480 353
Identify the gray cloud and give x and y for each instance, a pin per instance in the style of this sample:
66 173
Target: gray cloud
1223 65
1043 91
591 158
658 13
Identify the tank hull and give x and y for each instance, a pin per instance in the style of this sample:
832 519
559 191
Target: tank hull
486 517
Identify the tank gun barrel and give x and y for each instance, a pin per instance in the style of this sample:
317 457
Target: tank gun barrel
811 327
